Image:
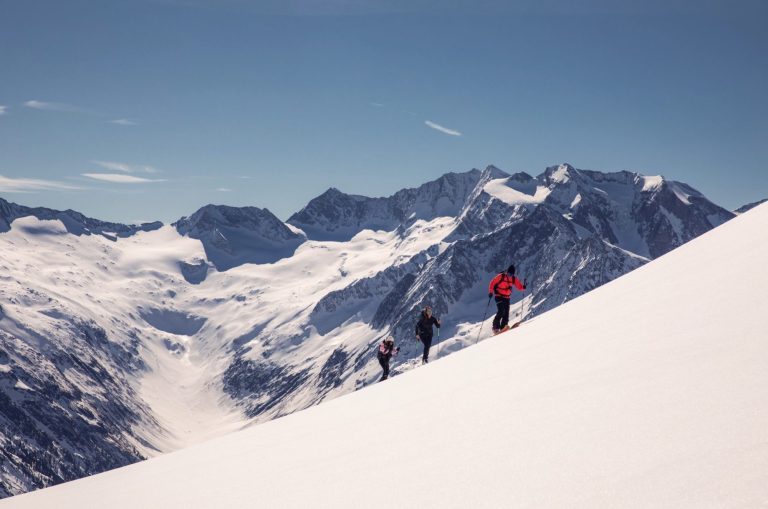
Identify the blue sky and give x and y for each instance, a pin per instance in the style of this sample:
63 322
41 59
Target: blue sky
149 109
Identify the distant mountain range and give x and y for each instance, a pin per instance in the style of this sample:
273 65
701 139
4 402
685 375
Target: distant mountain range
750 206
120 342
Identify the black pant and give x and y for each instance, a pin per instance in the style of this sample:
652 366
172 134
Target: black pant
384 361
427 345
502 313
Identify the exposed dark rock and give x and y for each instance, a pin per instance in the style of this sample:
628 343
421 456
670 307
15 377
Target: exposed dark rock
232 236
74 222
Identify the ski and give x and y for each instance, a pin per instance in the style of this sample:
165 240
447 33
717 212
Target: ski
509 328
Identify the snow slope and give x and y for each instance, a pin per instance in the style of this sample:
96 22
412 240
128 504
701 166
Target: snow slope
182 337
119 343
650 391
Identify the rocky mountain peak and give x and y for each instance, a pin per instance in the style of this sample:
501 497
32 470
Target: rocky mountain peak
337 216
492 172
74 222
232 236
750 206
254 219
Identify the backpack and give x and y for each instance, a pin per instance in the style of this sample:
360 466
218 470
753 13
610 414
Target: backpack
496 286
384 350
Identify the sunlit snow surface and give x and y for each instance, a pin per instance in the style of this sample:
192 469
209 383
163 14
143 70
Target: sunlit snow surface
514 193
187 331
651 391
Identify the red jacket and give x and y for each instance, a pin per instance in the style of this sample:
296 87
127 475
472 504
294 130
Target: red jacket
501 285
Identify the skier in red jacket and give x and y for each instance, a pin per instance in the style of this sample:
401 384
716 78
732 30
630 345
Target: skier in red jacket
501 288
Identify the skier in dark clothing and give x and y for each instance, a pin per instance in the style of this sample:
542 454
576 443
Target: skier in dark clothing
501 288
424 331
386 351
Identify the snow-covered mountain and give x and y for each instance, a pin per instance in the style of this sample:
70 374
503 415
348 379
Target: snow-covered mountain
233 236
337 216
567 230
647 392
750 206
230 317
74 222
68 403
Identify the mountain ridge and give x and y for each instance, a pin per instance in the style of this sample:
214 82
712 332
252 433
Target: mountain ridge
591 405
74 222
233 317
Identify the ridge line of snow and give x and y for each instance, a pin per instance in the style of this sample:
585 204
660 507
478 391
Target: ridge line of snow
593 404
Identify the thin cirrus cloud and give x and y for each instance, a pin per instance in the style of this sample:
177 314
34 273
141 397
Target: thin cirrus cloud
70 108
117 178
3 109
442 129
26 185
47 106
127 168
123 121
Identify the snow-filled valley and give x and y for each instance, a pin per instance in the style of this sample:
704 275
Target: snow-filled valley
121 343
650 391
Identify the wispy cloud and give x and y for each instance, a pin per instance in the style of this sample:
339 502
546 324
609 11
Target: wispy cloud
46 106
442 129
3 109
117 178
224 190
127 168
123 121
25 185
70 108
377 105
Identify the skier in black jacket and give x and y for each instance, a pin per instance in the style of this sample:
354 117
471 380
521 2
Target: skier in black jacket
386 351
424 331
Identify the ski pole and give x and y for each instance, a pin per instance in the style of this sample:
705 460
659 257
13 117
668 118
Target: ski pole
438 344
484 316
522 302
530 301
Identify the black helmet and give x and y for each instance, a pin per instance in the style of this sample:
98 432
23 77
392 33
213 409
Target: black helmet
511 270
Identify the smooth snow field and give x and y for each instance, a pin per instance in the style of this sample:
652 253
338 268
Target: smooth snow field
651 391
